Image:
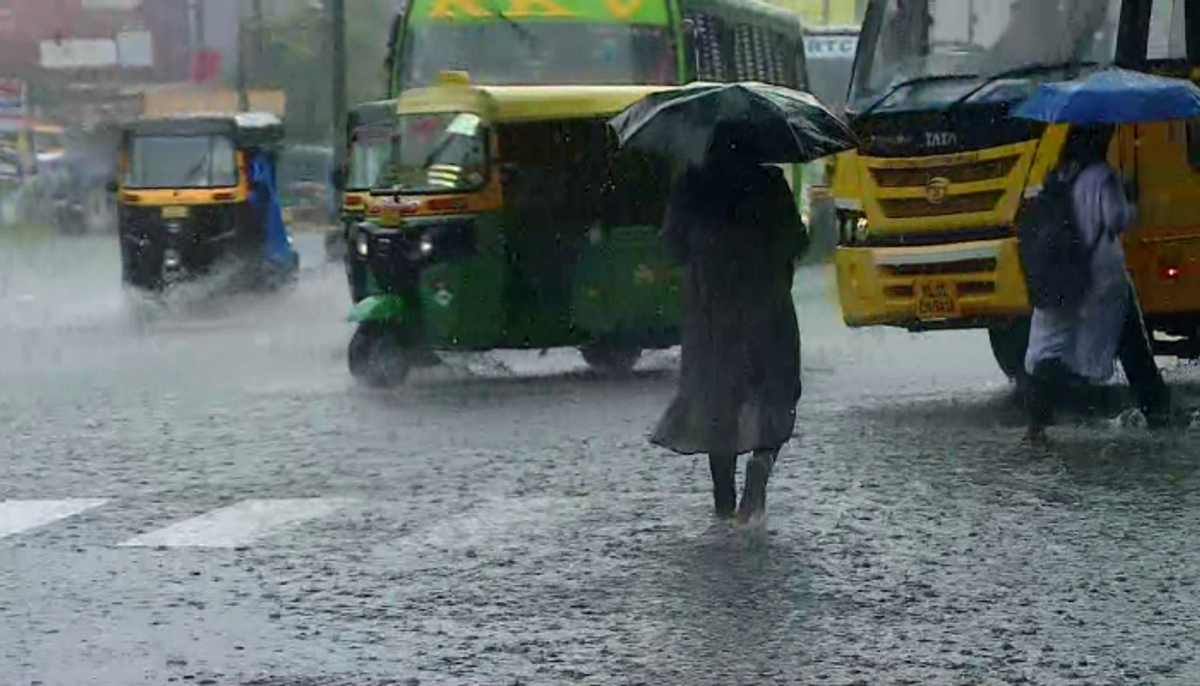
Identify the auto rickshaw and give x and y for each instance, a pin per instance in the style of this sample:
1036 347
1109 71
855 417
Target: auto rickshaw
195 192
303 175
516 224
369 131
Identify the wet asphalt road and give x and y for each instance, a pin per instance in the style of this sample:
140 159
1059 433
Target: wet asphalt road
200 495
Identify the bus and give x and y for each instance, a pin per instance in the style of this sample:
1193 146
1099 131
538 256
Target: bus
597 42
829 53
927 206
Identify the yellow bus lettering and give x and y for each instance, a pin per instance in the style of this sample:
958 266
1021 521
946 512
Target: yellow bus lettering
623 9
538 8
449 9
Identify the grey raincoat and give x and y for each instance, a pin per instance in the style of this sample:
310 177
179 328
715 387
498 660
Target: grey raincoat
737 233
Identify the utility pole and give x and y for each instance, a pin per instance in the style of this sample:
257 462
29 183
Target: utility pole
201 35
243 96
256 7
337 26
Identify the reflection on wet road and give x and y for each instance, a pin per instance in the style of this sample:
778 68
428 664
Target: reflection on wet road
198 493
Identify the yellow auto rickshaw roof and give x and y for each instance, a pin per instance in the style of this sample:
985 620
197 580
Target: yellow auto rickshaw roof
524 103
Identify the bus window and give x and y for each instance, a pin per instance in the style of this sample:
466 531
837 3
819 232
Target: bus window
540 52
706 47
1168 34
761 55
1193 141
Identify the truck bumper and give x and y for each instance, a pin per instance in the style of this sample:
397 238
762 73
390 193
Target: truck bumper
954 286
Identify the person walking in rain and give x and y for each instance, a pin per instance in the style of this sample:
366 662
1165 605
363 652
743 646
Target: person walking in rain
734 226
1076 346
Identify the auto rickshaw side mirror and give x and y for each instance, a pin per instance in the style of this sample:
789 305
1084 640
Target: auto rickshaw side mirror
337 177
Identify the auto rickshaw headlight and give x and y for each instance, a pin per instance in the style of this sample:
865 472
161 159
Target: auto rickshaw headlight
426 246
362 244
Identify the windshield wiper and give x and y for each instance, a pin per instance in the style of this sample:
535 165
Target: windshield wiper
1019 72
530 40
928 78
194 171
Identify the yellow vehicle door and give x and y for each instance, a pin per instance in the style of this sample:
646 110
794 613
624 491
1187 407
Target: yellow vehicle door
1164 251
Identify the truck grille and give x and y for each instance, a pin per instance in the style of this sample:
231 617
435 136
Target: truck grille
976 266
963 203
970 172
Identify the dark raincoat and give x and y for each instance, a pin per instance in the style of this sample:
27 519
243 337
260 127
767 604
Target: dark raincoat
736 231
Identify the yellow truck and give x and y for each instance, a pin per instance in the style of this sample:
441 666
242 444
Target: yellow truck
927 206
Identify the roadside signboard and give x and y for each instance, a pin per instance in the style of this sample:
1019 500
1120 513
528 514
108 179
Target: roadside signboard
12 98
830 46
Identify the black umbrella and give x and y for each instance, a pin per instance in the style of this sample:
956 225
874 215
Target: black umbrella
769 124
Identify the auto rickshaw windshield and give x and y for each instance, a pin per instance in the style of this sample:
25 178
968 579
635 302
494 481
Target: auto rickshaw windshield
369 155
181 162
438 153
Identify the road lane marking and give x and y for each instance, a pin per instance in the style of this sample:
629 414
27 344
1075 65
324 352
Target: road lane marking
18 516
237 524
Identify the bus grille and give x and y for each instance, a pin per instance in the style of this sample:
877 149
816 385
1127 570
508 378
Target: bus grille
971 172
964 203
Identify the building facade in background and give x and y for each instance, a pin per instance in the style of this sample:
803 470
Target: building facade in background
77 54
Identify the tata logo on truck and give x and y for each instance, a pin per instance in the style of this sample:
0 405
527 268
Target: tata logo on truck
940 139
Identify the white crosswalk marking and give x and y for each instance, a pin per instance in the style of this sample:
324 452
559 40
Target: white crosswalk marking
17 516
238 524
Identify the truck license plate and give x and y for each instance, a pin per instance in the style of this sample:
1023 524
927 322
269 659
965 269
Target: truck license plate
936 300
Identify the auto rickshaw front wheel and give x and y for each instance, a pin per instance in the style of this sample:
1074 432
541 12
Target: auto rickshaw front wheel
611 358
376 357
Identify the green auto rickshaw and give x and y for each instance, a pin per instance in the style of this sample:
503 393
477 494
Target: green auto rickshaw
514 224
368 147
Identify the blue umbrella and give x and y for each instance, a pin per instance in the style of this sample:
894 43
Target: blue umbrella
1113 96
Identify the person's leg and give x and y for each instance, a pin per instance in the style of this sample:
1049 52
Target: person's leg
1137 359
1043 389
754 492
724 468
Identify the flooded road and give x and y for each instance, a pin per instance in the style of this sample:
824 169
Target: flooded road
198 493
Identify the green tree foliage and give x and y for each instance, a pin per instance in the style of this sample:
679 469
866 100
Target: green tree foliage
296 51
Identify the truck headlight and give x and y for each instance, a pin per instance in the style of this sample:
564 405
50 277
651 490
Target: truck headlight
853 228
862 230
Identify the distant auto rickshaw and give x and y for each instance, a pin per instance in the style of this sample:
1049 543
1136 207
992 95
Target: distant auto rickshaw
303 172
197 191
515 224
369 130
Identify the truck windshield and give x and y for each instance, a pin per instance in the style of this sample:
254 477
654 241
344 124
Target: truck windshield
369 154
181 162
921 53
540 52
438 153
